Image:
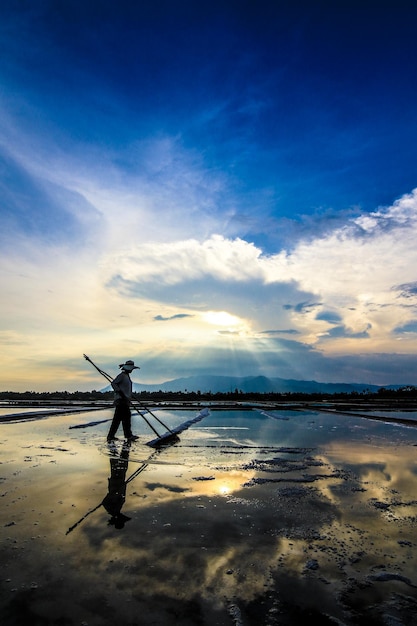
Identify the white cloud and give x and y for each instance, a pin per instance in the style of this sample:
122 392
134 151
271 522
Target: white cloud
350 271
148 250
355 268
182 261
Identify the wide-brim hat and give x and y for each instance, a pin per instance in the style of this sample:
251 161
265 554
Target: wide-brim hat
129 366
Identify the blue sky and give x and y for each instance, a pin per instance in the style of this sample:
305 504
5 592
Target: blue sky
213 187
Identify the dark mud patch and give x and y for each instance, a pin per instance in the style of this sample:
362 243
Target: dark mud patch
171 488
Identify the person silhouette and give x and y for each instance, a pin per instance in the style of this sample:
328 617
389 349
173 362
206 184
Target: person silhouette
122 386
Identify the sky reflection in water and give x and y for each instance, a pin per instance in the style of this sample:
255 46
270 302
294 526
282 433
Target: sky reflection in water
245 503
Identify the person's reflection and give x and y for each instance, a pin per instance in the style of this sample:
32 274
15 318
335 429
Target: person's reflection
116 496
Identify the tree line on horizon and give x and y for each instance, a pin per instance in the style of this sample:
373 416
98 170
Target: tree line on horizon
409 392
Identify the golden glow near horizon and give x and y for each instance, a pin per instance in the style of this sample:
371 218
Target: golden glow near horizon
281 315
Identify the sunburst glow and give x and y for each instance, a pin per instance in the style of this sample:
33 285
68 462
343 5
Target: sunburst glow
221 318
191 219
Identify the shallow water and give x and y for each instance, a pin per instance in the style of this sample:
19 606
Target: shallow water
254 517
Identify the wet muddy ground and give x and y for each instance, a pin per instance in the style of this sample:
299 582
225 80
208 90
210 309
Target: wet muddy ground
253 517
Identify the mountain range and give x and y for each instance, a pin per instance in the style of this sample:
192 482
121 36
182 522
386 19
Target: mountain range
253 384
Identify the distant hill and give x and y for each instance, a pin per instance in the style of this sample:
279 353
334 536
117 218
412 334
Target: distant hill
254 384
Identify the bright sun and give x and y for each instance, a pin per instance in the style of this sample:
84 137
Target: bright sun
221 318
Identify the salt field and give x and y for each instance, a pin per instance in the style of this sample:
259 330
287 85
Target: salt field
255 516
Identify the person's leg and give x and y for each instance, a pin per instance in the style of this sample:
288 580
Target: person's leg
117 418
127 422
